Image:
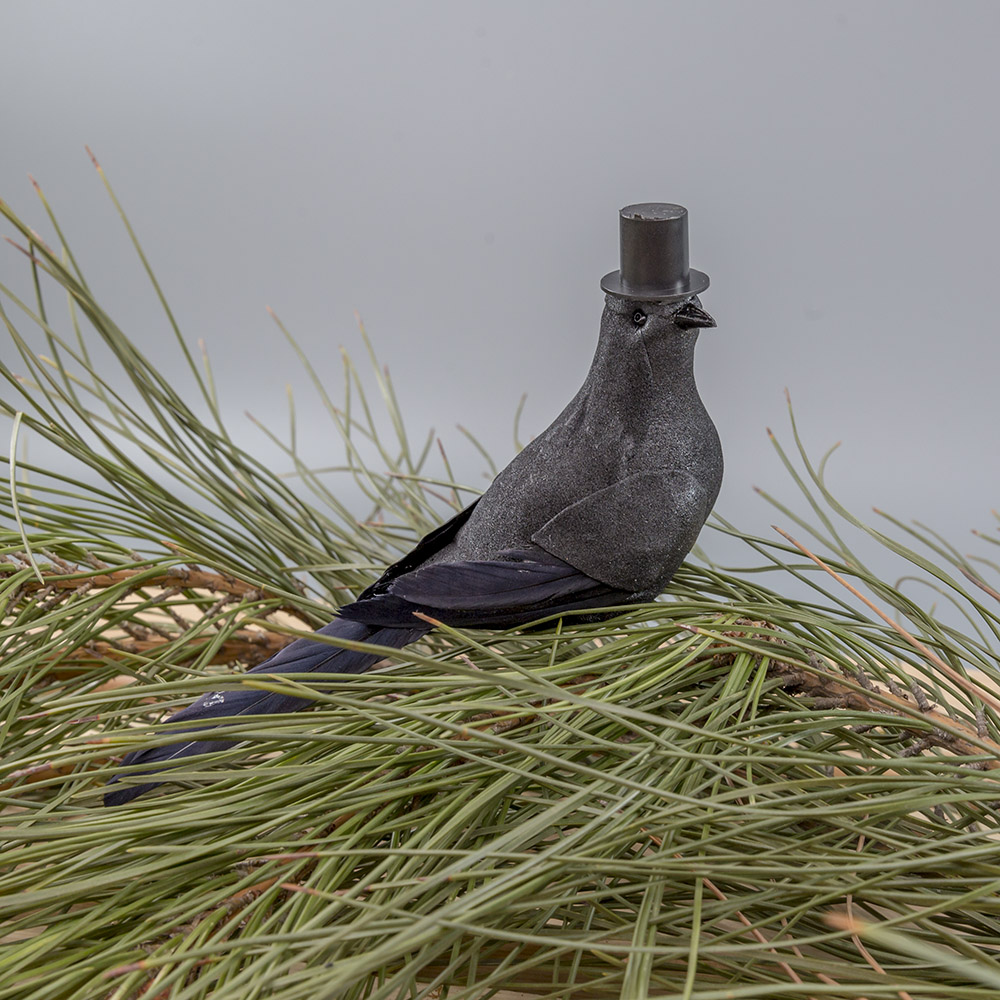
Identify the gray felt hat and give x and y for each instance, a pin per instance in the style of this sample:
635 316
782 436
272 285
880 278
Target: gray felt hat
654 255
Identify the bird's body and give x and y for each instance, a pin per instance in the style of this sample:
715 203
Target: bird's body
599 510
633 461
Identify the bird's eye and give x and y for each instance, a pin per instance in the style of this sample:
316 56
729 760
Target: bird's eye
639 318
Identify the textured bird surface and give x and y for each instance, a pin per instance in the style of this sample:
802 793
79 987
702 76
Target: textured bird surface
599 510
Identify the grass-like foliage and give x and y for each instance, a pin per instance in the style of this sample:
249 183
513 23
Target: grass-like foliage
730 793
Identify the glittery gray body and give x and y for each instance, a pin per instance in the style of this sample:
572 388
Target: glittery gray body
622 481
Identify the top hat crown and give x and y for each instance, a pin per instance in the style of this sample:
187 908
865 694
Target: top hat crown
654 255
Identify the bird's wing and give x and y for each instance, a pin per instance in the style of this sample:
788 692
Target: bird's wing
519 587
631 535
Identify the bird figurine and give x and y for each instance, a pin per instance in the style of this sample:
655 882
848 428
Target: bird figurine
599 510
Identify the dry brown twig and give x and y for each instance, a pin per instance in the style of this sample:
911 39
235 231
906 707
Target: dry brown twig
830 691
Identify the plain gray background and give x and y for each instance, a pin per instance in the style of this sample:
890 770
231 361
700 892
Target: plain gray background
454 172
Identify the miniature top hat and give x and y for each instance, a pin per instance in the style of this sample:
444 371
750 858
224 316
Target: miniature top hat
654 255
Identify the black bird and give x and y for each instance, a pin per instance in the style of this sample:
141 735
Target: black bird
599 510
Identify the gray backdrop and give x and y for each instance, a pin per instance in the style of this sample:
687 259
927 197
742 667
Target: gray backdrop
454 171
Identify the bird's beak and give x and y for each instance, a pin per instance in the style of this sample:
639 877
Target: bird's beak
689 316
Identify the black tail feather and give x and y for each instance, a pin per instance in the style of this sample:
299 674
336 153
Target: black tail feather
301 656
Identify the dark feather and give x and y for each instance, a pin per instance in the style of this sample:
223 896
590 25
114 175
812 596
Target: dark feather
430 545
495 593
488 585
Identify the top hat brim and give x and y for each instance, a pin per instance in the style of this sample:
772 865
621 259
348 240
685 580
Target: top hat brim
697 282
